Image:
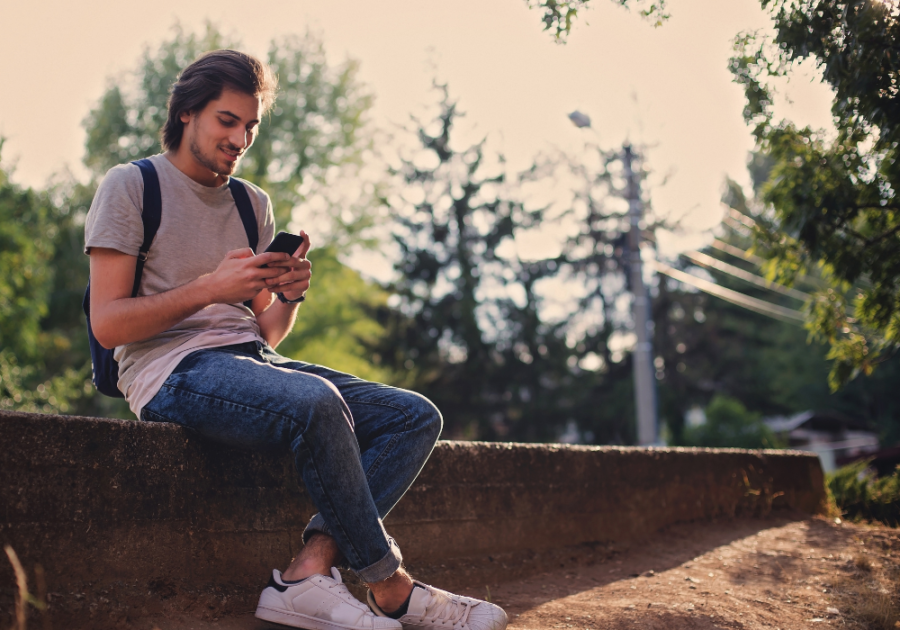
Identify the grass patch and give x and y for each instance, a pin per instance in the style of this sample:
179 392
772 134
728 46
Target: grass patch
868 594
861 495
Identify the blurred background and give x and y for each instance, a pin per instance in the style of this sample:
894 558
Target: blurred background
519 209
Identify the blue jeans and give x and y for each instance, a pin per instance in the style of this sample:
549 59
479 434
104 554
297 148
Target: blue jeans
358 446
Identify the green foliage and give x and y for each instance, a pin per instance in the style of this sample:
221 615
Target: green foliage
22 387
334 327
26 237
729 424
830 201
863 496
710 346
560 15
30 377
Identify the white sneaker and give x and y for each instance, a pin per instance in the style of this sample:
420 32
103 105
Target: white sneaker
431 608
318 603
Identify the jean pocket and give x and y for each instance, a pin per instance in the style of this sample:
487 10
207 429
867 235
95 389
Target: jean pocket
152 416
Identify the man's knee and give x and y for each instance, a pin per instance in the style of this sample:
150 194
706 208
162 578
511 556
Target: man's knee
321 405
428 417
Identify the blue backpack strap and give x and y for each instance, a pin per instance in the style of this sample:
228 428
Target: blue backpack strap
151 215
245 209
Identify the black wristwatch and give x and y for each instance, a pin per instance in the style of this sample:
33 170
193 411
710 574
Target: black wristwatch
287 301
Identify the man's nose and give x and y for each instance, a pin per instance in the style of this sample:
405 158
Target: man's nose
240 139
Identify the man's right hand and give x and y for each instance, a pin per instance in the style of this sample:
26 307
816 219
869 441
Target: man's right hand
241 276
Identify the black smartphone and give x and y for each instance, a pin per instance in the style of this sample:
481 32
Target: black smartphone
285 242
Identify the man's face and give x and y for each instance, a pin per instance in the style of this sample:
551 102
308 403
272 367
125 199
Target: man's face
218 135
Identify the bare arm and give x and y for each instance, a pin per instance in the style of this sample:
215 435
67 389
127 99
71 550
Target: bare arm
117 318
276 319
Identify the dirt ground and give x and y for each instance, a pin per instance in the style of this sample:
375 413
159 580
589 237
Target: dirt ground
782 573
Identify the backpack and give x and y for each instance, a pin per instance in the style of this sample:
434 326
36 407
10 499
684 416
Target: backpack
105 369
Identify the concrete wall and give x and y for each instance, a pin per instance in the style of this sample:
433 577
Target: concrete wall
126 516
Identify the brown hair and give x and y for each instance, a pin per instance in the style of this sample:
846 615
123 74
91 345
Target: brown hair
204 80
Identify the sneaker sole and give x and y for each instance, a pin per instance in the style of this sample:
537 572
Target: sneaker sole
299 620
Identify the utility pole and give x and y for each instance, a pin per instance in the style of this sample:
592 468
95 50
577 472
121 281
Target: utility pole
644 384
644 381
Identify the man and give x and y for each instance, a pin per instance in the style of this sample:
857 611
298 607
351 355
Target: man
196 347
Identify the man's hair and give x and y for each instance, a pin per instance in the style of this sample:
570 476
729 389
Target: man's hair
204 80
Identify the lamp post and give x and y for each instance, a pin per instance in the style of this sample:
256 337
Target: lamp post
642 358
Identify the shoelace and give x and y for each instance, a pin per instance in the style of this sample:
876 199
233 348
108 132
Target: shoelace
345 594
450 608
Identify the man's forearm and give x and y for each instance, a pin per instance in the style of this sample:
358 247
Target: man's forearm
277 321
127 320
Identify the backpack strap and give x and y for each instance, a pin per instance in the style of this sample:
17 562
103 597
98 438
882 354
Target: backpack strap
245 209
151 215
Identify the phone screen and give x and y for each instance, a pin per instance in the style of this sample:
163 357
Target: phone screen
285 242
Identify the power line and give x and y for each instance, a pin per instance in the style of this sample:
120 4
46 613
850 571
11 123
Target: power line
705 260
737 252
759 306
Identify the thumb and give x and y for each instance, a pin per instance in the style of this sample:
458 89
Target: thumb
244 252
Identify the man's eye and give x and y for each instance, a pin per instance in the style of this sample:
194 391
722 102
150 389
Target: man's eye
226 123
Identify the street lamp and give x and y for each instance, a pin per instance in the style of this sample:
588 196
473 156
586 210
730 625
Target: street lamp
642 359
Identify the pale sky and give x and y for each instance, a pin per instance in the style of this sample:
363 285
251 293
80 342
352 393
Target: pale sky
667 87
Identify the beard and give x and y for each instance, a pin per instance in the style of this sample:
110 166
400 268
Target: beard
220 168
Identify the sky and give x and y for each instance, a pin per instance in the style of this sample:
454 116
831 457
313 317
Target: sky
665 88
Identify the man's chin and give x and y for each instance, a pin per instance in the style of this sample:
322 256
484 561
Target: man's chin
227 168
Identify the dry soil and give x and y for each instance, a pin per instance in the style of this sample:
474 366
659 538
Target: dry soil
782 572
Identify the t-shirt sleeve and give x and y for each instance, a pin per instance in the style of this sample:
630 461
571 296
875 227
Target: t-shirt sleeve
114 220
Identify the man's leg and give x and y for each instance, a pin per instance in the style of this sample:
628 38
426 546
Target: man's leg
396 430
232 395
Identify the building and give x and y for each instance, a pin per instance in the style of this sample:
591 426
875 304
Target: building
832 436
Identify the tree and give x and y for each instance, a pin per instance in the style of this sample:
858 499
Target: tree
559 15
475 324
31 377
711 347
729 424
830 202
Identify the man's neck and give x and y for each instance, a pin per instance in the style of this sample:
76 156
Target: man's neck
185 162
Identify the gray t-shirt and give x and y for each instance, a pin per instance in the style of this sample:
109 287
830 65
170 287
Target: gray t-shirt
199 226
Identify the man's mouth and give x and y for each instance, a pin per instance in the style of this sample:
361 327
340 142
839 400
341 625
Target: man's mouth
232 155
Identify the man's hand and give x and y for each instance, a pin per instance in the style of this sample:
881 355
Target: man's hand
296 272
241 275
276 320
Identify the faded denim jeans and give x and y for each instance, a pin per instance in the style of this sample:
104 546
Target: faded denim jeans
358 446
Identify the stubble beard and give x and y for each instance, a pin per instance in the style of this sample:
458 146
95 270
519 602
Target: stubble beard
219 168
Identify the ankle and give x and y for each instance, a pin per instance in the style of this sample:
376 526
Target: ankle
304 569
392 593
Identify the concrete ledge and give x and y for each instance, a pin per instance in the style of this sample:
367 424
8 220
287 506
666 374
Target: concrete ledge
125 516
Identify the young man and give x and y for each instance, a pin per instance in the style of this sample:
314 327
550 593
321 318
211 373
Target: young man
196 347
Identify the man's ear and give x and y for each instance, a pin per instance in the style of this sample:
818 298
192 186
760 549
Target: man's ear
186 117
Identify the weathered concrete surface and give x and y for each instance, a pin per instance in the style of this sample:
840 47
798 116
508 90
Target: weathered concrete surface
129 518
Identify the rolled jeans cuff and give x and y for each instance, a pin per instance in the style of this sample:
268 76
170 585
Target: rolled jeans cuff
316 525
376 572
384 568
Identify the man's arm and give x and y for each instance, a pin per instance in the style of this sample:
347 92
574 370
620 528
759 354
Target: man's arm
117 318
275 318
